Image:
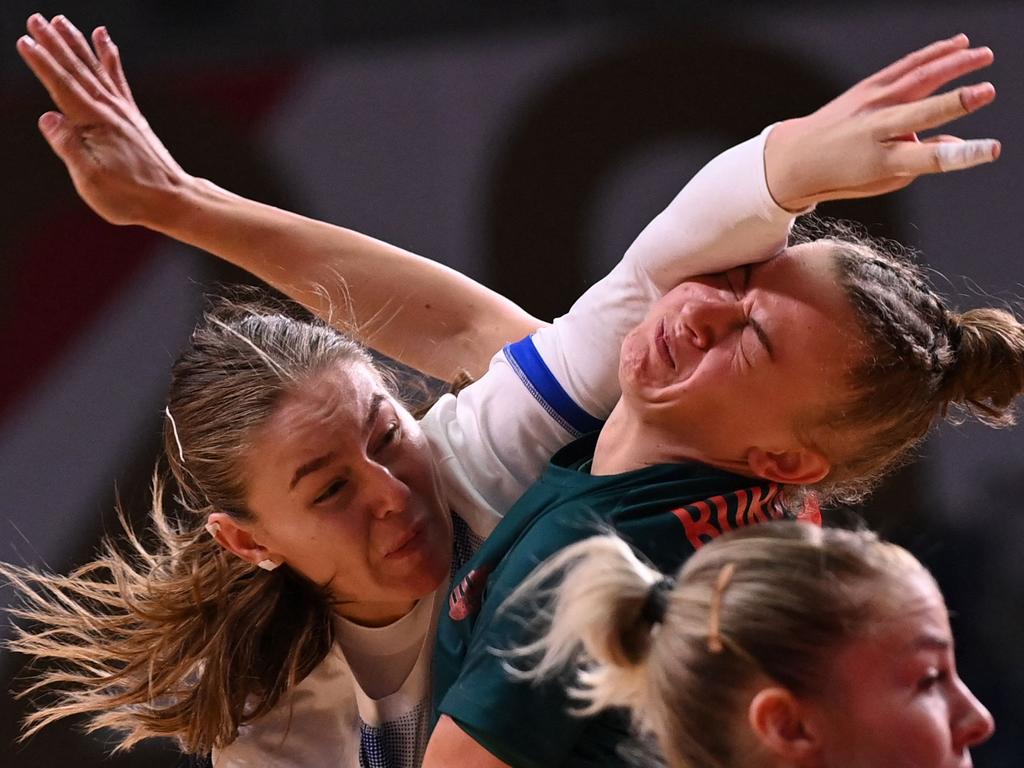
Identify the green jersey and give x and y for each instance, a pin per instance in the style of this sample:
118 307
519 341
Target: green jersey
664 511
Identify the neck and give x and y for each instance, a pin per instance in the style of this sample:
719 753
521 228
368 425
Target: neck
374 614
628 441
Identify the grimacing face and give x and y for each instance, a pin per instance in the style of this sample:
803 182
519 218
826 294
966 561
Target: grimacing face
728 362
893 696
344 490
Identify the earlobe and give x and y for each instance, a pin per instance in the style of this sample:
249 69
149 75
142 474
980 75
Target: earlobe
240 541
779 722
800 467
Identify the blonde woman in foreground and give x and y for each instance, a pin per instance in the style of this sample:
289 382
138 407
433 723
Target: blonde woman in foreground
780 646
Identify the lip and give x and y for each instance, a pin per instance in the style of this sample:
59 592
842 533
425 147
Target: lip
405 544
662 345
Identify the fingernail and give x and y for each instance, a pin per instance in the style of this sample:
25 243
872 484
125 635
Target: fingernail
983 90
36 20
959 37
104 34
976 95
27 40
48 122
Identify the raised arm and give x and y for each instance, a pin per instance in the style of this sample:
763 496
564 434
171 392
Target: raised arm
413 309
740 206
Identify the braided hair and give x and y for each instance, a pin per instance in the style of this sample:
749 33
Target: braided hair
922 362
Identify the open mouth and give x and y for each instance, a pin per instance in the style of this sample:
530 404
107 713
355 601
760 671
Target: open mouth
661 342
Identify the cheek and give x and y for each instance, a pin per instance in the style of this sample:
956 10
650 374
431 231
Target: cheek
420 473
878 726
630 355
336 545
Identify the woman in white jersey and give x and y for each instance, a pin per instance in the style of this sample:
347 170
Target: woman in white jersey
471 457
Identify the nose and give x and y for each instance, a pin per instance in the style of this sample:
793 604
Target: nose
381 493
974 723
711 320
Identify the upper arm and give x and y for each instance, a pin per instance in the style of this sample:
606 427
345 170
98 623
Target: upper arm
418 311
493 322
722 218
528 723
451 746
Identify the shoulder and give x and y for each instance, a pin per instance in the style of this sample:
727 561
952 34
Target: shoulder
315 723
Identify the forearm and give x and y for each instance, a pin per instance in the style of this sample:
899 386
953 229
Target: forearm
408 307
725 216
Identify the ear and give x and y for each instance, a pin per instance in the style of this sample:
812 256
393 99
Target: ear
803 466
780 723
235 538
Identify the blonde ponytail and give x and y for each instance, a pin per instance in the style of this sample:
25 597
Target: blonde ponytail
596 621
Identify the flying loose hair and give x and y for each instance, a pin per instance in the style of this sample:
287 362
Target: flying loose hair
176 637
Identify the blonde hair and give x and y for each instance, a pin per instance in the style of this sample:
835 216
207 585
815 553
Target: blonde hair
794 593
921 362
176 637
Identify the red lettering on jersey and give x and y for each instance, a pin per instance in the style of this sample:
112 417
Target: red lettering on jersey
696 520
754 505
755 513
466 597
742 497
723 513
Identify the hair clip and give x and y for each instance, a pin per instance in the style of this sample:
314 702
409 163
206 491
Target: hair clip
715 644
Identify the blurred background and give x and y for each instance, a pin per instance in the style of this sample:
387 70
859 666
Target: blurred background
524 143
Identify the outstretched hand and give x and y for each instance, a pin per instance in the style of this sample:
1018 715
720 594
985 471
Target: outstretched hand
117 164
865 142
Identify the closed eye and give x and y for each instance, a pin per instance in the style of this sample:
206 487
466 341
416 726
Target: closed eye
739 287
330 491
392 435
761 336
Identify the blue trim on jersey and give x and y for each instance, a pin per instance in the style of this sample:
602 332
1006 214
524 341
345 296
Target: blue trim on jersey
526 361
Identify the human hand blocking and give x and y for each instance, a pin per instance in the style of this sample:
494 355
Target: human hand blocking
117 164
865 143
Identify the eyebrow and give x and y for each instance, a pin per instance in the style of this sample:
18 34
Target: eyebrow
762 336
322 461
932 642
376 401
310 466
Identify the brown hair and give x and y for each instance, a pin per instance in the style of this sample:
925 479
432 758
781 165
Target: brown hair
922 362
794 594
180 638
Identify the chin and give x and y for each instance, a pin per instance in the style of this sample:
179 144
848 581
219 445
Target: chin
425 573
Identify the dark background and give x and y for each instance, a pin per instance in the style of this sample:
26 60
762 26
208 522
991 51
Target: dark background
525 143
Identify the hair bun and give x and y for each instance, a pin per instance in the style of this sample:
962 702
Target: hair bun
986 372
